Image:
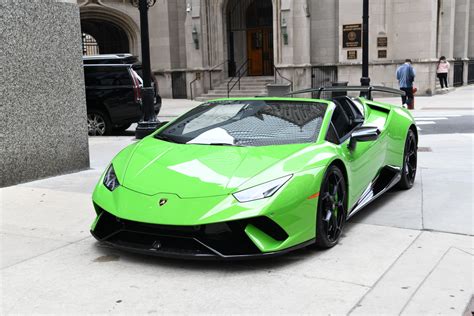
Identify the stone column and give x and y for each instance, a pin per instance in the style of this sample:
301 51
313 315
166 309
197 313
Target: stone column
461 27
446 29
165 38
461 33
324 32
194 52
470 49
43 107
297 53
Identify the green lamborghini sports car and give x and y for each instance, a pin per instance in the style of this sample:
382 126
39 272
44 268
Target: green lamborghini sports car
254 177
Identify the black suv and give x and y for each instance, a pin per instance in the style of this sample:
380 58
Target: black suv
113 92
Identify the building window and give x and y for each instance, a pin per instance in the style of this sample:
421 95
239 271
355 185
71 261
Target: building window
89 45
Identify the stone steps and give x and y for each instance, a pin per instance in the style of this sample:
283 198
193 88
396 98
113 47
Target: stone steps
236 90
249 87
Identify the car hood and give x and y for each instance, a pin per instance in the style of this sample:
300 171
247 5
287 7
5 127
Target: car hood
192 170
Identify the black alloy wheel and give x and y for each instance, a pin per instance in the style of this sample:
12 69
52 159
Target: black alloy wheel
332 208
409 162
98 124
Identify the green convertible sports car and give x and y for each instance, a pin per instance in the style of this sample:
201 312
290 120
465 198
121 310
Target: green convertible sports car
248 177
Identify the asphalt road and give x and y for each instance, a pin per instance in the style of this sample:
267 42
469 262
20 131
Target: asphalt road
445 124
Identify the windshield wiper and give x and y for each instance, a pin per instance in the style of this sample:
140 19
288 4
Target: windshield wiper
167 139
224 144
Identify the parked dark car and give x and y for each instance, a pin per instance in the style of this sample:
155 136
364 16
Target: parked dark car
113 92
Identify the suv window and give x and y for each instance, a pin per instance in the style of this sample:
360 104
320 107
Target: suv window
107 76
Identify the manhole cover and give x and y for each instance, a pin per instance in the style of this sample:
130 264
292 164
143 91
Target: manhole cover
425 149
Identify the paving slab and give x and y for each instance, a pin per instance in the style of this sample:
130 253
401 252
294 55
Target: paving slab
361 257
103 149
46 213
443 207
79 182
395 289
83 278
20 248
453 151
447 289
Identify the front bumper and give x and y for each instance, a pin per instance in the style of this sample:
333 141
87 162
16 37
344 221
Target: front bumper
225 240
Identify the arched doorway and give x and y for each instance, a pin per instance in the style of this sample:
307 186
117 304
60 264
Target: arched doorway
250 36
110 37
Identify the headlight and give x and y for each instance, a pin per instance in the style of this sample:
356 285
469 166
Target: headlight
261 191
110 179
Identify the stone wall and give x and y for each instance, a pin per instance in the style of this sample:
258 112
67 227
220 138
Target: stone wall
43 107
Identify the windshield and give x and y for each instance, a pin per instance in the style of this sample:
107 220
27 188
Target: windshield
248 123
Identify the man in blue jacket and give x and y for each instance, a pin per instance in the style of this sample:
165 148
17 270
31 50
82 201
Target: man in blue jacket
405 77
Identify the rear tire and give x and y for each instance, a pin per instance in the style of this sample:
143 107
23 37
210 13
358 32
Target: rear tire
98 123
332 208
409 162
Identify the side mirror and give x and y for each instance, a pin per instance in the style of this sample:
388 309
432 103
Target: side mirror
363 134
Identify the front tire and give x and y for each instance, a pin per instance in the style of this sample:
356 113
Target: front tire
332 208
409 162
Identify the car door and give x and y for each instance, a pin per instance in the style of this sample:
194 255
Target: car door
363 161
120 101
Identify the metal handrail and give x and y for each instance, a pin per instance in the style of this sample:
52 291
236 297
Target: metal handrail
281 76
239 76
210 72
366 89
191 86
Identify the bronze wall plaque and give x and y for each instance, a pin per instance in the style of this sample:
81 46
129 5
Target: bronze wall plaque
351 54
382 41
382 53
352 35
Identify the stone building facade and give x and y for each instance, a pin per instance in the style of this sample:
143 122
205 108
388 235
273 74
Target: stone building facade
197 44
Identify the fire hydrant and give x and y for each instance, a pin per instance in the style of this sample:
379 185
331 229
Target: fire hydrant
411 106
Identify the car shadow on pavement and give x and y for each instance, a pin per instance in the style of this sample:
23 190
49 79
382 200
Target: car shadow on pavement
265 263
213 265
124 133
376 205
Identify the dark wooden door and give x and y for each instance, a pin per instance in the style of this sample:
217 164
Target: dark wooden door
260 51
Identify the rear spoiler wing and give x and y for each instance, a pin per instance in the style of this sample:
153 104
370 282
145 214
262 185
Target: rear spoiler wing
365 91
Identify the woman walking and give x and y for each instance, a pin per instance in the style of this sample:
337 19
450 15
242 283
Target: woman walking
442 72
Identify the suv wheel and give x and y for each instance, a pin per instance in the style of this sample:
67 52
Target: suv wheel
98 123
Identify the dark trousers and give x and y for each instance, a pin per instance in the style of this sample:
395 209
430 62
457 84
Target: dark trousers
443 80
408 99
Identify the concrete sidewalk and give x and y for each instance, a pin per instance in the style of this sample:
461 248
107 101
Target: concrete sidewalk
408 253
460 99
